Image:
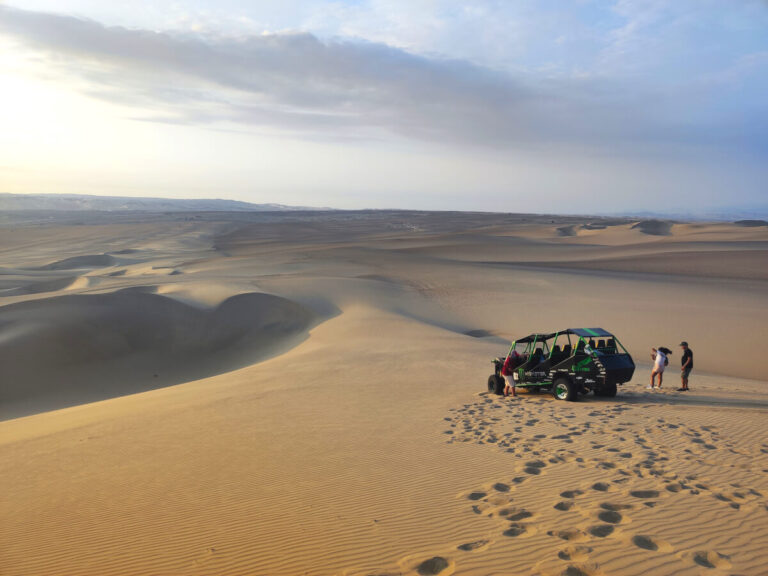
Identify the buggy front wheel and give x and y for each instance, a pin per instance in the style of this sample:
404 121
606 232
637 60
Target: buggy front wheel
564 388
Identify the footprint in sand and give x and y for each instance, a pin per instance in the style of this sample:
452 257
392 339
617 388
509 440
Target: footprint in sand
610 516
574 553
571 493
616 507
569 535
472 546
674 487
433 566
516 515
601 530
572 570
563 506
534 467
645 542
644 493
649 543
516 529
711 559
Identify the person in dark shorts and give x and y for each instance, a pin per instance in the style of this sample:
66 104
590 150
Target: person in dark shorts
687 366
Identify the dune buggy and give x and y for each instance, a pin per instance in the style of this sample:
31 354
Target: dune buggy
570 362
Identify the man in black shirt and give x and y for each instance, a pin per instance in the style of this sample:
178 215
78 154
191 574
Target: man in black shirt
687 361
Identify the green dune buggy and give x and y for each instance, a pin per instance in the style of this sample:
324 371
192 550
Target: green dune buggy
570 362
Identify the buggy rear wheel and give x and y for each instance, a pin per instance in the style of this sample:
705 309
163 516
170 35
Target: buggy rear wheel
495 384
564 388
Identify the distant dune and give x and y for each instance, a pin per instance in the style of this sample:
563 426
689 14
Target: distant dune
654 227
77 202
90 261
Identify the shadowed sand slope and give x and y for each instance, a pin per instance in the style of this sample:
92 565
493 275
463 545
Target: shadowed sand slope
90 261
654 227
73 349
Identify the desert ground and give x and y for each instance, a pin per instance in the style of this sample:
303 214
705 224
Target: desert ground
305 393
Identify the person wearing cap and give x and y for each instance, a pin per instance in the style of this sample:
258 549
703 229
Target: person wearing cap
687 365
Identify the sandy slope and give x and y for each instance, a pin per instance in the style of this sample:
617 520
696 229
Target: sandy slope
135 340
369 447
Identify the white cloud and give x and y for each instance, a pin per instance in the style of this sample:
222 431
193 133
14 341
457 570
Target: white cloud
339 88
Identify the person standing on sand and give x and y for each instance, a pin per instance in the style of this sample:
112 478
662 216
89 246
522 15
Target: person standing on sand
659 357
687 365
507 370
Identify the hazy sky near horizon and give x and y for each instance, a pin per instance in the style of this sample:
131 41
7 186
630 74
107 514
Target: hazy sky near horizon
537 106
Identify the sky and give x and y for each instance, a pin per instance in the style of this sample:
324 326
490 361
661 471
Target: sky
515 106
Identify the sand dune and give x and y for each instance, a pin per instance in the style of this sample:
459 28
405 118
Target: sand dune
76 262
654 227
40 287
71 350
330 416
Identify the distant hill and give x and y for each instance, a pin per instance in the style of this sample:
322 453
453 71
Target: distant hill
751 223
746 214
78 202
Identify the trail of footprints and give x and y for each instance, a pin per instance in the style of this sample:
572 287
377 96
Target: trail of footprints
608 519
631 464
475 423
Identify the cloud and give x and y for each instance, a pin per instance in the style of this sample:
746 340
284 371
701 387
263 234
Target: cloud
336 88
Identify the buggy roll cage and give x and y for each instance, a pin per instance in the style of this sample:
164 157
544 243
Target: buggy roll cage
583 336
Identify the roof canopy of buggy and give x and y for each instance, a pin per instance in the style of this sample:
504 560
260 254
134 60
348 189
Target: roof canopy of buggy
536 337
583 332
588 332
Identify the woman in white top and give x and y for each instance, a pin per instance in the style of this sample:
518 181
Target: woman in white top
659 357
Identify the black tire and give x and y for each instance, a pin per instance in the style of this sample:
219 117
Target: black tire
495 384
609 390
563 388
